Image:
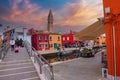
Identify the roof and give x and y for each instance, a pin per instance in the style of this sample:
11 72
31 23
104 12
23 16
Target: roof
21 33
92 31
54 34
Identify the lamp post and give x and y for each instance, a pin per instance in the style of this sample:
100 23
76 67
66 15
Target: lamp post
24 34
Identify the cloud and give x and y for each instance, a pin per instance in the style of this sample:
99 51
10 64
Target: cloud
73 15
78 15
4 10
29 13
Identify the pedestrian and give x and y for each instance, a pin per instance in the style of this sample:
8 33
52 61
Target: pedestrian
12 44
16 49
17 42
21 42
60 54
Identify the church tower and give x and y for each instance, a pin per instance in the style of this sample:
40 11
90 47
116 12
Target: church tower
50 22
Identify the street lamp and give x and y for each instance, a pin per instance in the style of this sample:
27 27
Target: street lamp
24 33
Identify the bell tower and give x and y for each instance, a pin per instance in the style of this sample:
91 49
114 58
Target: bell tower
50 22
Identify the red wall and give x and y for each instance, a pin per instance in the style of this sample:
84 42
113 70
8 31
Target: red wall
36 41
32 31
70 38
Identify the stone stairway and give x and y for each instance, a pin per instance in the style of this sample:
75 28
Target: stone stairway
18 66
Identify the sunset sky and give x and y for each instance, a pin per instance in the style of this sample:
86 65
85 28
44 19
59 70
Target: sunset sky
68 14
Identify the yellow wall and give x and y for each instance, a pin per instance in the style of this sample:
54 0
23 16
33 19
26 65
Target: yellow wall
55 40
75 37
100 40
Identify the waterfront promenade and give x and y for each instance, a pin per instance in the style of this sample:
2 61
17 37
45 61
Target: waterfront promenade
79 69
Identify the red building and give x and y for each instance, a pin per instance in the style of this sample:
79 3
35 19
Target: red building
32 31
40 41
67 39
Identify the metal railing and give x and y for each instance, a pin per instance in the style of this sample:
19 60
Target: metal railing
45 67
3 50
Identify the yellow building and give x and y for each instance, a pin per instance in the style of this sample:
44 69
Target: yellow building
55 41
100 40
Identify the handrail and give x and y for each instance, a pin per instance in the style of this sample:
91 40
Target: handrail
44 66
3 50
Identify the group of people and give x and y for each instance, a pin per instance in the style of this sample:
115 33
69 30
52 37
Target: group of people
16 44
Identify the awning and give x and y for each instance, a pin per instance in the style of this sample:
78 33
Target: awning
92 31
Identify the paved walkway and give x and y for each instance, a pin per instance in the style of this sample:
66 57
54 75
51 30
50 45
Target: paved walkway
79 69
17 66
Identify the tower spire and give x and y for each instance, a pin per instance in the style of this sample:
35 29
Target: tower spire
50 21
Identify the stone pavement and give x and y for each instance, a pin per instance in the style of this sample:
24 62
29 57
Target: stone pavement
79 69
55 51
17 66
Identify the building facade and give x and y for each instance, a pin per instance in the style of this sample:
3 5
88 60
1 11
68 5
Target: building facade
40 41
67 39
112 30
100 40
55 41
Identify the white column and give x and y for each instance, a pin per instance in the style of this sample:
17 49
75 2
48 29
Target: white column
24 34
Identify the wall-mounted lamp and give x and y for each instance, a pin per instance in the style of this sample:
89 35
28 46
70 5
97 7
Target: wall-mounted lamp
107 10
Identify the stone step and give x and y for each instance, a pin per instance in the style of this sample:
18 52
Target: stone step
15 65
16 70
19 76
18 66
15 62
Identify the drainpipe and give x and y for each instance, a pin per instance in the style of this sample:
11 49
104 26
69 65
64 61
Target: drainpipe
113 29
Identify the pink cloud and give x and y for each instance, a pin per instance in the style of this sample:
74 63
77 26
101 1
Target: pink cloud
31 14
73 15
79 14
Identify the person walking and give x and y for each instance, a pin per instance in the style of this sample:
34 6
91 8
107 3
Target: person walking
60 54
21 42
12 44
17 42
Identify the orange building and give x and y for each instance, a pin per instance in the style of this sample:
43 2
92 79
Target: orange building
112 26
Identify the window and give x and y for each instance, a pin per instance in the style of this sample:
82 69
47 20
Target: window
46 37
67 38
50 38
46 45
63 38
40 45
39 37
58 38
51 45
